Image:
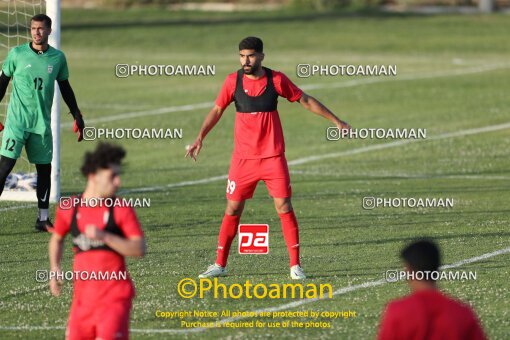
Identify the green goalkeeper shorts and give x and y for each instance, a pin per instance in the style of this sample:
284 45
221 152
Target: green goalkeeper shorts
39 148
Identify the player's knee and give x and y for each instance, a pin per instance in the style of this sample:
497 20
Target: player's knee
234 208
283 206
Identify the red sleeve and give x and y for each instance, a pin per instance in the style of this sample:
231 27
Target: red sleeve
62 224
286 88
226 95
125 218
387 327
475 329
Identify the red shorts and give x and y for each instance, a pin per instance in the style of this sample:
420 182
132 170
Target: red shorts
109 320
244 174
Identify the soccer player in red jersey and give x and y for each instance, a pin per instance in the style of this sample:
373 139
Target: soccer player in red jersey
102 236
259 149
427 313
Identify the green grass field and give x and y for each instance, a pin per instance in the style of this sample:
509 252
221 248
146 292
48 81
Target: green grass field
453 76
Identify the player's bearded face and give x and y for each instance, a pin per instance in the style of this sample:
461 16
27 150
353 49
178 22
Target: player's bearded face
39 32
107 181
250 61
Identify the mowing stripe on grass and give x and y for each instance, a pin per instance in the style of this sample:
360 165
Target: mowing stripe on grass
446 135
308 87
395 175
293 304
305 160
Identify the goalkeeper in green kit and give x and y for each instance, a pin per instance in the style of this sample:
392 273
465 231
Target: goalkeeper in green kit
34 67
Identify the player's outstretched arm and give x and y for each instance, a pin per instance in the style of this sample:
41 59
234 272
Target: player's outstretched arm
315 106
133 247
56 247
209 122
70 100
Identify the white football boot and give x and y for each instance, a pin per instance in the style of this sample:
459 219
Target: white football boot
213 270
296 273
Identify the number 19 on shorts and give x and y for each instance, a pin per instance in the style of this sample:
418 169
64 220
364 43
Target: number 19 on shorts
231 186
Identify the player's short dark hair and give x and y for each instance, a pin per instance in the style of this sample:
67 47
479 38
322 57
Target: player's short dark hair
251 43
42 17
103 157
422 255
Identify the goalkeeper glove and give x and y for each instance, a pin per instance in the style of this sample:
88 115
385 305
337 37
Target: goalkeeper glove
78 125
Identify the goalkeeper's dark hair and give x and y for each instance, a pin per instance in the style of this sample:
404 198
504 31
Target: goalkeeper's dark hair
103 157
42 17
251 43
422 255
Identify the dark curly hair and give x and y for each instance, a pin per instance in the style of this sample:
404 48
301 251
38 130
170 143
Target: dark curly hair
104 156
252 43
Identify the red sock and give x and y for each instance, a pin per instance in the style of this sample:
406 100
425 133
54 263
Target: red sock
291 236
228 231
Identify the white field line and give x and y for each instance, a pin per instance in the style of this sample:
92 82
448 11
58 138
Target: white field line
18 207
138 114
339 291
176 185
397 175
294 304
430 75
28 290
308 87
380 146
305 160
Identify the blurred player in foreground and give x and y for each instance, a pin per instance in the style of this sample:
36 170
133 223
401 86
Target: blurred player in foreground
427 314
34 67
259 148
102 236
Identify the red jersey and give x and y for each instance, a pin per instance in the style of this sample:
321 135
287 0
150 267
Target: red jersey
258 134
99 260
429 315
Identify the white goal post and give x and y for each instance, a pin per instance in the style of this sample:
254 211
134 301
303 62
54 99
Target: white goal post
53 11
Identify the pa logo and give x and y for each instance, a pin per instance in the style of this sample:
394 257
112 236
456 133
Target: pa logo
253 239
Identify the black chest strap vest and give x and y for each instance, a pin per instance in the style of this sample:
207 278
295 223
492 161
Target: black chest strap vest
266 102
82 243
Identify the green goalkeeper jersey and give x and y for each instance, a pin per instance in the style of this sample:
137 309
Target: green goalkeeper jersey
33 85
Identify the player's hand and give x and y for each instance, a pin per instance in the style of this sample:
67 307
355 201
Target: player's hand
194 149
93 232
341 125
78 125
56 285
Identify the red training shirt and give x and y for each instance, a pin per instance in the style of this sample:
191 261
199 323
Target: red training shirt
258 134
99 260
429 315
